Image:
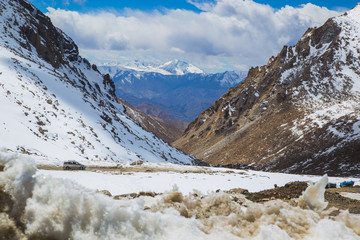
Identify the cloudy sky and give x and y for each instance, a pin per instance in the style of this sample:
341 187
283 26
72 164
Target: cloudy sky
215 35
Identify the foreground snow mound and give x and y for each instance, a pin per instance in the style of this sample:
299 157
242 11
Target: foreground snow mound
314 194
30 208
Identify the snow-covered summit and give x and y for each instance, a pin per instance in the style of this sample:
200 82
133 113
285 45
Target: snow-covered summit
175 67
178 67
55 105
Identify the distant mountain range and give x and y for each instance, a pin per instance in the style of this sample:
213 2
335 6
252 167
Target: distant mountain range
175 67
299 113
176 87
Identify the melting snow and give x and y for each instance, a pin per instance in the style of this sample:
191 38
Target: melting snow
75 212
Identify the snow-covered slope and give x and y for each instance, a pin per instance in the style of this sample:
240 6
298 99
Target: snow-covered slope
55 106
299 113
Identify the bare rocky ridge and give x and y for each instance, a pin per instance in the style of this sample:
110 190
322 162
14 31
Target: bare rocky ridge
299 113
161 129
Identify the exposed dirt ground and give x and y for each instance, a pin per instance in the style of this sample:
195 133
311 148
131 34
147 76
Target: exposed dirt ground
294 190
140 168
287 193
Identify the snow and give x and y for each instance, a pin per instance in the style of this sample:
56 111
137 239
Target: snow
73 211
58 118
201 179
174 67
58 114
314 194
178 67
355 196
229 108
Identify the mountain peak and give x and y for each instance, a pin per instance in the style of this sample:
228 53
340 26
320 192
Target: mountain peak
299 113
174 67
178 67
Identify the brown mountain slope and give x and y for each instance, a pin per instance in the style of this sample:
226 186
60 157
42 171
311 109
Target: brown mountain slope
153 110
161 129
300 113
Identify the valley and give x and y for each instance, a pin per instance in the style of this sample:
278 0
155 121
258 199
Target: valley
148 136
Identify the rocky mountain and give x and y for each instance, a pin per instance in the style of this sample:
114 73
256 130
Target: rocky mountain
163 130
55 105
156 112
183 91
300 113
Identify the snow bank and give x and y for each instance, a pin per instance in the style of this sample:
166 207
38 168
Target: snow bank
45 207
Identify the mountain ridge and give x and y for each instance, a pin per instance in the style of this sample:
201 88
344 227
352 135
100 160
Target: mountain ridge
164 129
298 113
173 67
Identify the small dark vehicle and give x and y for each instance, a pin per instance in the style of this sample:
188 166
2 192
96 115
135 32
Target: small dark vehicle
347 184
331 185
73 165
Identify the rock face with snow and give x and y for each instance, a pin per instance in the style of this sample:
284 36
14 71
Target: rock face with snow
55 106
176 87
299 113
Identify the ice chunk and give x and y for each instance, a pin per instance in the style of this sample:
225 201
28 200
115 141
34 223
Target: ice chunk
314 194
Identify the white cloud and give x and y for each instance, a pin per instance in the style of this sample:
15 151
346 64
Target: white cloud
80 1
238 32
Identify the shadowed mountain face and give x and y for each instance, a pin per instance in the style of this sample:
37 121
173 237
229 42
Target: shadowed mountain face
55 106
299 113
161 128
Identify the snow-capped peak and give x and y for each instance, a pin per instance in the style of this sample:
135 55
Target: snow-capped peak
174 67
178 67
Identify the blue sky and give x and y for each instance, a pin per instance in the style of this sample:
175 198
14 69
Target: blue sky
214 35
91 5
